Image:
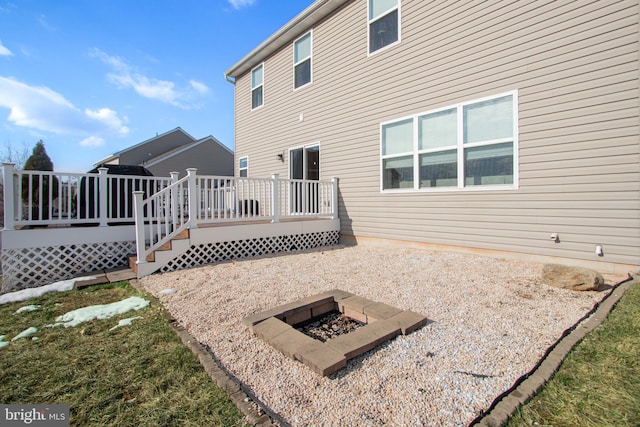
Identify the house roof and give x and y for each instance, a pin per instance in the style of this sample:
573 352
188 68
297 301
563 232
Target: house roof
304 21
183 148
117 154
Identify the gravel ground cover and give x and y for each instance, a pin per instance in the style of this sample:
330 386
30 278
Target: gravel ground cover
491 320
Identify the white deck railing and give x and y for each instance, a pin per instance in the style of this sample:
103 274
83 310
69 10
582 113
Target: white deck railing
39 198
299 197
198 200
231 199
161 216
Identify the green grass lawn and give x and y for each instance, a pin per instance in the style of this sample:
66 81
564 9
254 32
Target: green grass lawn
137 375
598 384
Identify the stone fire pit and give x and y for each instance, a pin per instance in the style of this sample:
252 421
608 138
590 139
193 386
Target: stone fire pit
382 323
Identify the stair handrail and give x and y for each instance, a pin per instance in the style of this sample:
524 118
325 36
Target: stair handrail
163 215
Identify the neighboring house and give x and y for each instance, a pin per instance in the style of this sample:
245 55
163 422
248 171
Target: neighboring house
175 151
510 128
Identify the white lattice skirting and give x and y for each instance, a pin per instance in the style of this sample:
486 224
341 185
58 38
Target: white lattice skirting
222 251
31 267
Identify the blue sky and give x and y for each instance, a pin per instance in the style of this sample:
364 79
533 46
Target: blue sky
92 77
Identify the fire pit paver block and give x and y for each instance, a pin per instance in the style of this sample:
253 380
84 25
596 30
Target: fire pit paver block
355 303
363 339
321 359
337 294
271 328
254 319
290 342
408 321
288 310
304 304
383 331
298 316
324 309
355 314
380 311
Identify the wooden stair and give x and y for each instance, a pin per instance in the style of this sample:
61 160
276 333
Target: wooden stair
165 248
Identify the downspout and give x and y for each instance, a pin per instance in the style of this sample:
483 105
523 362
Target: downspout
232 80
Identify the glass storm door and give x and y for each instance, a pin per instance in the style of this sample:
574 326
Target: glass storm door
304 165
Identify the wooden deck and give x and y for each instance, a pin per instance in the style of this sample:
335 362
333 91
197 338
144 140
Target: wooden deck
71 224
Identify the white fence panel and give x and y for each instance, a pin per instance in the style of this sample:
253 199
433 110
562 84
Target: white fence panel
42 198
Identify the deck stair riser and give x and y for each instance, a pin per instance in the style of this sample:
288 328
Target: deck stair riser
165 253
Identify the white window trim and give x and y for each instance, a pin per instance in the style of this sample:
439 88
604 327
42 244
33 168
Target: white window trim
460 146
261 85
310 32
243 168
369 21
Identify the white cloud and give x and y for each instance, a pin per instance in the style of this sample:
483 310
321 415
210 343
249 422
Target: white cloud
160 90
199 87
92 142
110 118
4 51
114 62
239 4
40 108
42 20
6 8
125 76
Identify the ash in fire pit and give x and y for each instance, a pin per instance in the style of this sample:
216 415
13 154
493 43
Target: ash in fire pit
330 326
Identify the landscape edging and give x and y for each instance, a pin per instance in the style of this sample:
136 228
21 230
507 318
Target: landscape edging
505 405
218 375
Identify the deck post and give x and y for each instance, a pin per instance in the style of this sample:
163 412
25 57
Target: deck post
102 191
275 205
173 197
8 192
334 198
193 197
138 210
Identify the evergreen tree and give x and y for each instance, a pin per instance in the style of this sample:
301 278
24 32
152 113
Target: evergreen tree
38 195
39 159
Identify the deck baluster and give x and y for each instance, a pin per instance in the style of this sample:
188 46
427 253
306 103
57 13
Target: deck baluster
174 201
102 207
139 215
9 195
193 197
275 206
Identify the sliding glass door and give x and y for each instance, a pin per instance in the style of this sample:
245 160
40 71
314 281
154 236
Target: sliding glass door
304 164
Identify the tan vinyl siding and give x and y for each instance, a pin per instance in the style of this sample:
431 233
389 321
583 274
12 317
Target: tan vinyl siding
575 66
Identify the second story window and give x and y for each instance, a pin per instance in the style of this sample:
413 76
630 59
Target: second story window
243 167
257 79
302 61
384 23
